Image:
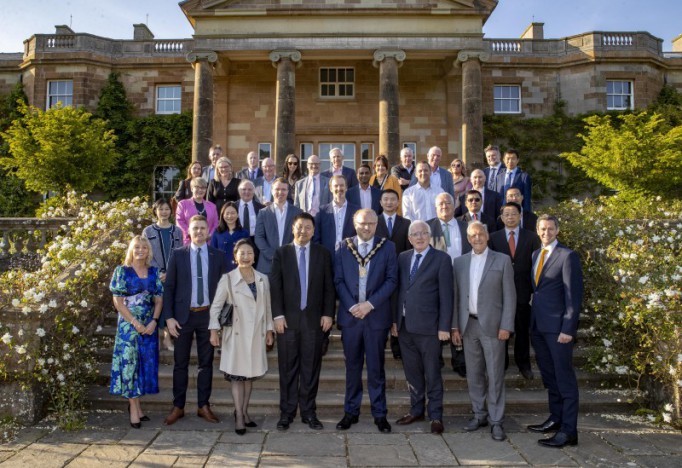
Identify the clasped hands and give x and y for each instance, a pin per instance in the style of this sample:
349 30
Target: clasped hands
360 310
281 324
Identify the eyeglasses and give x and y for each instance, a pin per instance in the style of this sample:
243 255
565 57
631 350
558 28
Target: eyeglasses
313 164
455 165
292 163
419 234
477 200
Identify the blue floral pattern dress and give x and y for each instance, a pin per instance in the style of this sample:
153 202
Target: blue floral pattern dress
135 364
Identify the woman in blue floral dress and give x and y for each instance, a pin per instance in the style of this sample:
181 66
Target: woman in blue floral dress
138 292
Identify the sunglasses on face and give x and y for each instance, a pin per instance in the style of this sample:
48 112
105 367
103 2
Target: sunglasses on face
292 163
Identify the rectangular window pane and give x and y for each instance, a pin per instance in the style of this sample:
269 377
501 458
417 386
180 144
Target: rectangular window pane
59 91
619 95
507 99
264 150
166 181
337 82
168 99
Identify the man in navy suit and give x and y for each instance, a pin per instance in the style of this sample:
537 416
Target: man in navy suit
422 320
252 171
191 281
273 225
555 311
365 275
495 166
513 176
363 194
303 298
336 158
334 222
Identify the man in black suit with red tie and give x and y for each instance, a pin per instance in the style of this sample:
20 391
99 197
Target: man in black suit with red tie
303 301
519 244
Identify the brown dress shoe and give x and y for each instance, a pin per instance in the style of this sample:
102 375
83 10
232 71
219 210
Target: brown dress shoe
175 414
409 419
437 427
206 413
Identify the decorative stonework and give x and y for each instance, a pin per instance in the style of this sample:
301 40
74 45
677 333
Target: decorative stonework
196 55
278 55
381 55
465 55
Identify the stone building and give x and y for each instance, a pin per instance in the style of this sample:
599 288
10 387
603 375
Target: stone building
369 76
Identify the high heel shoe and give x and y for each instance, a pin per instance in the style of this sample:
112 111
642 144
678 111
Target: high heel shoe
247 424
136 425
238 431
142 418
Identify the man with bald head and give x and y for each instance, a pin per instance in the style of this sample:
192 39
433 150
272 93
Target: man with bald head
312 191
264 183
491 202
336 158
252 171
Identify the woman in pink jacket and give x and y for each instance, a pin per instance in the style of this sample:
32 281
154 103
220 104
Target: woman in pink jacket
196 205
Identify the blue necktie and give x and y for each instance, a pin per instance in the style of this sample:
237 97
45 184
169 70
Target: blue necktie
390 226
302 279
507 181
200 280
413 271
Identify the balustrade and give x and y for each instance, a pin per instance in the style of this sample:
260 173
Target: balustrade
28 235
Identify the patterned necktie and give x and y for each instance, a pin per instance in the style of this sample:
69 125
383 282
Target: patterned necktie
200 280
303 279
512 244
492 183
247 221
446 232
390 226
541 263
475 216
507 181
413 271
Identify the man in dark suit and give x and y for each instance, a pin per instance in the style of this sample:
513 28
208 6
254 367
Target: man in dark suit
555 311
191 281
529 220
273 225
440 177
449 235
473 212
252 171
519 244
495 166
422 321
485 301
312 191
365 275
336 158
513 176
303 299
363 194
403 171
334 222
393 227
491 201
248 207
264 184
208 172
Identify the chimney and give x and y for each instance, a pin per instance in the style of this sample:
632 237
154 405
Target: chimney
142 32
534 31
62 29
677 44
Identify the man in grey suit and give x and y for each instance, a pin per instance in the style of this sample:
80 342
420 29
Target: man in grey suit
252 171
421 321
273 225
264 184
313 190
483 317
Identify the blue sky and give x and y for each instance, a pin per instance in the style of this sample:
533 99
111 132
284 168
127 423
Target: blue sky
114 18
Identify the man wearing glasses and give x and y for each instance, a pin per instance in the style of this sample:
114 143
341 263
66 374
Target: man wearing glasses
313 190
473 203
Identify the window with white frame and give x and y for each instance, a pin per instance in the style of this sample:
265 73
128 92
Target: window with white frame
619 95
168 98
264 150
306 150
348 150
367 154
337 82
507 99
166 181
59 91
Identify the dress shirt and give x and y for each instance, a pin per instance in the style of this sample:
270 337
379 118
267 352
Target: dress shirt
313 202
339 218
386 218
516 235
492 174
203 251
267 190
482 192
362 294
281 216
419 203
550 248
475 275
366 197
478 215
252 216
338 171
435 178
307 264
455 247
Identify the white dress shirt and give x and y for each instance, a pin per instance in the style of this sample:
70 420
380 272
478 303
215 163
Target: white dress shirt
252 216
435 178
550 248
281 216
419 203
339 218
313 202
475 275
455 247
366 197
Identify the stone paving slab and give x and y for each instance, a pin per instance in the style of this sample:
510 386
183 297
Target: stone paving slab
87 436
139 437
592 450
632 444
190 461
112 456
44 455
659 462
432 451
666 442
382 455
5 455
250 437
304 445
24 438
480 449
376 438
536 455
184 443
241 455
146 460
302 462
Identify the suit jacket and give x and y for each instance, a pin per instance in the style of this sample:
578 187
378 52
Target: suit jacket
258 187
348 174
325 225
558 295
486 171
529 221
267 234
177 290
427 299
492 202
256 208
438 237
521 181
445 181
399 172
301 194
206 173
285 287
244 173
526 244
186 209
400 228
353 196
496 304
484 218
382 279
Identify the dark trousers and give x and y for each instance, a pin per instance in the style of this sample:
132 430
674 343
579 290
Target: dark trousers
422 371
521 337
299 355
360 341
197 324
555 361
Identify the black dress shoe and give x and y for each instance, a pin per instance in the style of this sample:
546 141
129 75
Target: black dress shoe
347 421
383 425
283 423
559 440
313 423
547 426
461 371
527 374
325 346
251 424
136 425
409 419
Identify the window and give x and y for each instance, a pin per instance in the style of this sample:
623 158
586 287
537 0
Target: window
168 99
507 99
413 146
348 154
166 181
59 91
367 154
619 95
337 82
264 150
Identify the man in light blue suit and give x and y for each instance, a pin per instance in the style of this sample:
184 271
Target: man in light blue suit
273 225
312 191
365 275
439 177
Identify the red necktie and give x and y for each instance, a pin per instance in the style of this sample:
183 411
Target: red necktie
512 244
475 216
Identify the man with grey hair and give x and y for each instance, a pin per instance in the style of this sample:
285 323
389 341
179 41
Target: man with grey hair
336 158
439 177
208 172
491 202
252 171
312 191
495 166
264 183
248 206
404 171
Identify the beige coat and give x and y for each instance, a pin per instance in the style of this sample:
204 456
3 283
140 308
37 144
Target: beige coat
243 344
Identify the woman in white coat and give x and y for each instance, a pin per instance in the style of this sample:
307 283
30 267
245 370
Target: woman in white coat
243 357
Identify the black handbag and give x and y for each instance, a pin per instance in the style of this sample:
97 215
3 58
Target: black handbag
225 317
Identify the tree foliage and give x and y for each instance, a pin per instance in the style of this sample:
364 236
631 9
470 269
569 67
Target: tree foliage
638 154
59 149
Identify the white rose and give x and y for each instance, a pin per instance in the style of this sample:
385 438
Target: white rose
20 349
84 303
75 330
16 302
7 338
40 332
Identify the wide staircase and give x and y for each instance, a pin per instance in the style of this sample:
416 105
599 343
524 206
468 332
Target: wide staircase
598 392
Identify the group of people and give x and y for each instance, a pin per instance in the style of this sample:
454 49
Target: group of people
416 252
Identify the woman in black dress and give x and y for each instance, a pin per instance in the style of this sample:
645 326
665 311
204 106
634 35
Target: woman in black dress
224 187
